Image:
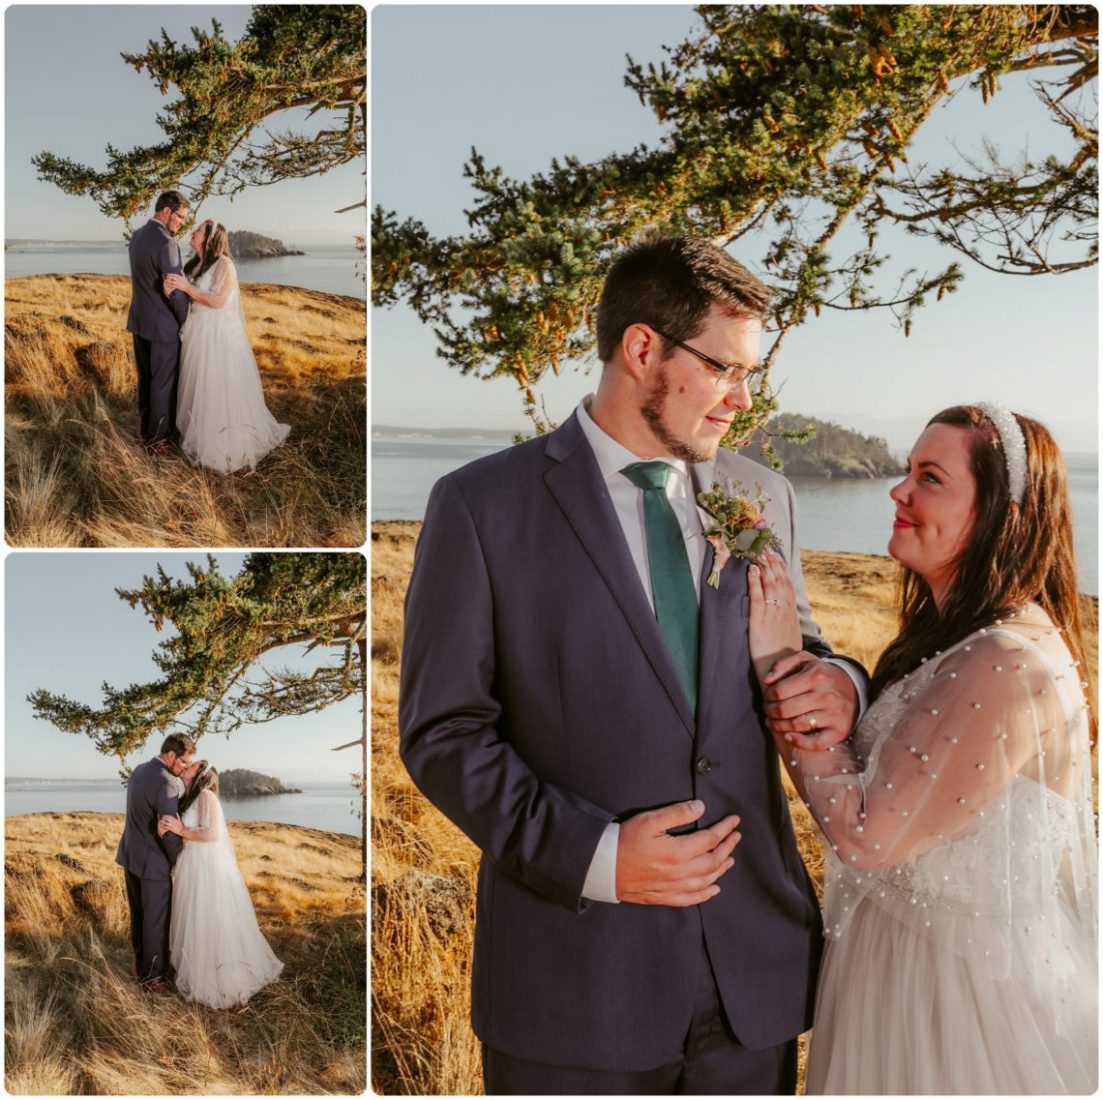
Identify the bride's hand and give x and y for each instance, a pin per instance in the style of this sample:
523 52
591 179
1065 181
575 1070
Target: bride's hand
774 624
169 825
175 282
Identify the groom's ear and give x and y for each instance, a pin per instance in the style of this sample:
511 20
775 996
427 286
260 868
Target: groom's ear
639 348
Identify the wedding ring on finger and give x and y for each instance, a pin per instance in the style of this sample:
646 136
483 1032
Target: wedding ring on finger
771 599
811 722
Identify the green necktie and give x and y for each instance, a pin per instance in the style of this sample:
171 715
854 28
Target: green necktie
671 580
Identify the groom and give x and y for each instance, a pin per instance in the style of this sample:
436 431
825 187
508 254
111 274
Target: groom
147 859
154 320
602 754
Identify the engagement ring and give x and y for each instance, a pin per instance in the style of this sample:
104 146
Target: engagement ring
811 722
770 599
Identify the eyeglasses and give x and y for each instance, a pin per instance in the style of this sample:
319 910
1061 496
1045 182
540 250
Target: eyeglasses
727 374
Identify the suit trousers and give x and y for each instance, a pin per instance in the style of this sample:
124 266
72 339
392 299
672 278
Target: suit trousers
150 902
158 363
713 1063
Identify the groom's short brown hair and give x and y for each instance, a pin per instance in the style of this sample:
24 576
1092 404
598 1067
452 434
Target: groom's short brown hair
172 199
179 743
671 283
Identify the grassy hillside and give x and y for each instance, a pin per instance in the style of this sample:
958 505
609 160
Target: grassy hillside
77 1024
423 868
76 475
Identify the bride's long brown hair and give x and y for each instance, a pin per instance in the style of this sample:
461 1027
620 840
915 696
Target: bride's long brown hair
1015 555
207 780
216 243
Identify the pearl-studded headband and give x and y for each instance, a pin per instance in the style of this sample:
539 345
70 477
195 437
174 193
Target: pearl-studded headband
1014 446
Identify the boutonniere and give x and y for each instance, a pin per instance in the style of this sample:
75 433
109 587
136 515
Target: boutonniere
740 530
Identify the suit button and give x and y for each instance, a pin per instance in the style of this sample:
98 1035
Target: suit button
704 765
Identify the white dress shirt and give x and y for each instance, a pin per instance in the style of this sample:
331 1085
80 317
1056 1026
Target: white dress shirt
612 457
627 498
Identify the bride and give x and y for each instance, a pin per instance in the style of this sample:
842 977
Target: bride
220 955
220 411
960 879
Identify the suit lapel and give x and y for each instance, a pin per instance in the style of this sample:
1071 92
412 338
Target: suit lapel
724 616
578 489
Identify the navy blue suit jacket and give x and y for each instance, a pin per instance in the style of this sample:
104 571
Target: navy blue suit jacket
538 703
153 255
150 793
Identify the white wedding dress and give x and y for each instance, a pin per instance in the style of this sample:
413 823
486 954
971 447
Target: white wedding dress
960 879
220 411
220 955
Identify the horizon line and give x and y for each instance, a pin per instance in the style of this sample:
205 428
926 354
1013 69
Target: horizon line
826 418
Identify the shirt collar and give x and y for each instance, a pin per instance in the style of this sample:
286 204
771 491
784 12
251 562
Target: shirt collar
612 456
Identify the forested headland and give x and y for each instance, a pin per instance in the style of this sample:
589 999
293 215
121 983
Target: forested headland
832 451
243 783
253 246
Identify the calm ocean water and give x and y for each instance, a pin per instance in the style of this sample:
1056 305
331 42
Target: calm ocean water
330 806
332 268
834 514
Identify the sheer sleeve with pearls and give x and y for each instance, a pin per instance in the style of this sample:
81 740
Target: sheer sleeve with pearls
963 807
986 713
210 815
223 283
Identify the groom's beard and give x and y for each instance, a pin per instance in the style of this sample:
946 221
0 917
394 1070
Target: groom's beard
653 410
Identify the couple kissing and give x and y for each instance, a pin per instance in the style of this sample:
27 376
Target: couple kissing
192 922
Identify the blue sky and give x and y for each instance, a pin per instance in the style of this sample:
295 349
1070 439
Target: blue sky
67 631
67 90
526 83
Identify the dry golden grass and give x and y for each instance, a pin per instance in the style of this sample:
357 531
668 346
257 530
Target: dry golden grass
77 1024
76 475
423 868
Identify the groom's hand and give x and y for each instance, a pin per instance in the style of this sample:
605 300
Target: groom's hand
655 868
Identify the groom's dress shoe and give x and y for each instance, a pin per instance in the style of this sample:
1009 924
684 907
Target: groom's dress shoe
161 448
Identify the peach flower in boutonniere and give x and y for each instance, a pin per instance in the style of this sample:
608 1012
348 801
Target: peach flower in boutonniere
740 529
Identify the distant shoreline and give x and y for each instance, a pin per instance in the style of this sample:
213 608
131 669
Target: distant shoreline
390 431
400 434
30 241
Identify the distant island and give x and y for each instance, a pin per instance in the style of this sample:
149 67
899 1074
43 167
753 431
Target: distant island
252 246
833 451
242 783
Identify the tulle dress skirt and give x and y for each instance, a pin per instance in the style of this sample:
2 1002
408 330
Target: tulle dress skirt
218 951
221 416
898 1014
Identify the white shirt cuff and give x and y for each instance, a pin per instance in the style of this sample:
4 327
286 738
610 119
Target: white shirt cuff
601 879
859 684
